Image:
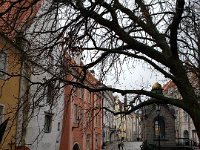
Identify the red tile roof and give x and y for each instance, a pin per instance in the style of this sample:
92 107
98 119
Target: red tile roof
16 16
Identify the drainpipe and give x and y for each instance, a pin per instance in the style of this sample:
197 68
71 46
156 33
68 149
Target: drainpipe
92 123
102 124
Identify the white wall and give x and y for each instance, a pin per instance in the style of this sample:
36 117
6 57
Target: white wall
35 137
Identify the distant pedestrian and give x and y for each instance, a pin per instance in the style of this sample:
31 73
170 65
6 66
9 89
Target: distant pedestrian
122 144
119 145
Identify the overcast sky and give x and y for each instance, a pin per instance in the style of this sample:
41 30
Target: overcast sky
135 75
137 78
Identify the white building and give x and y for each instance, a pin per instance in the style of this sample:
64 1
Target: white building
42 98
132 127
109 128
183 123
40 111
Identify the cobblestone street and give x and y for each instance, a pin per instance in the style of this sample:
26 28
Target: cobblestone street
130 146
127 146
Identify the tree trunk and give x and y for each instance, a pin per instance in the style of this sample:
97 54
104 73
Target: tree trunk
195 115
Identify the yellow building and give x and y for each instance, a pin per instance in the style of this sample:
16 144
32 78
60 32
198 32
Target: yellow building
9 90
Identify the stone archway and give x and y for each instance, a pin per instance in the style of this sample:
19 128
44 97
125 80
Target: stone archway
185 134
76 147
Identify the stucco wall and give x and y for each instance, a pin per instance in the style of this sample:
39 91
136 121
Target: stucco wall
9 91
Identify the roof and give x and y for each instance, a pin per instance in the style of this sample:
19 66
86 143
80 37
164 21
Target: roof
17 16
9 43
168 85
151 108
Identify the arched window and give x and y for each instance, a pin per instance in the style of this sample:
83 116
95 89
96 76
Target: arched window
2 64
186 134
159 127
76 147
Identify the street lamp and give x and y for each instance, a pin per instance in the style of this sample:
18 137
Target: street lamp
158 108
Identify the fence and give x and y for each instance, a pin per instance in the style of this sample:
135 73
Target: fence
186 142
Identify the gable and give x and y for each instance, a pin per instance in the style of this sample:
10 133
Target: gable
165 112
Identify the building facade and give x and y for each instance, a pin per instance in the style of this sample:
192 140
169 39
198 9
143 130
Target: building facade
159 129
184 125
120 120
109 128
18 16
82 120
41 114
132 127
41 94
10 66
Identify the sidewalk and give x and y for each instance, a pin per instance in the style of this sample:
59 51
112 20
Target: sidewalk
127 146
111 146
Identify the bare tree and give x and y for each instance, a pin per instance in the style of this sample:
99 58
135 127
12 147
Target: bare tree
164 34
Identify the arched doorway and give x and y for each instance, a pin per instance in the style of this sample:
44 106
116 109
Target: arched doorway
185 134
76 147
186 137
113 136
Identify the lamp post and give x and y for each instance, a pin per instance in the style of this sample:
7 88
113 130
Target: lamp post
158 116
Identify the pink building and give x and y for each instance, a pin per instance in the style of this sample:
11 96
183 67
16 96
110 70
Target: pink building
82 121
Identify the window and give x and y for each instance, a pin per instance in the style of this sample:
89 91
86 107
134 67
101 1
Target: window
50 93
75 119
159 127
170 91
74 91
185 134
97 141
156 129
96 120
2 65
99 120
1 114
185 116
95 100
89 97
77 116
89 117
80 113
176 112
58 129
50 62
81 93
88 142
47 122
